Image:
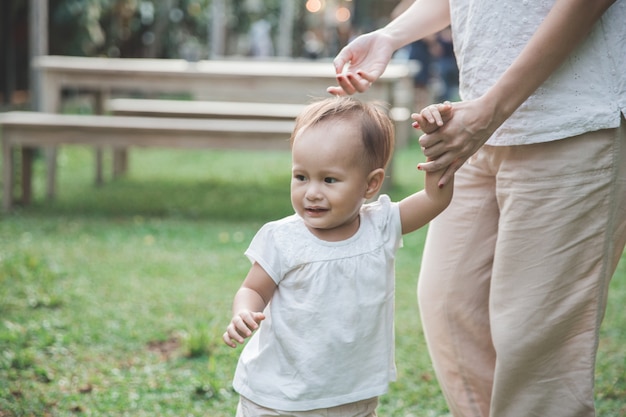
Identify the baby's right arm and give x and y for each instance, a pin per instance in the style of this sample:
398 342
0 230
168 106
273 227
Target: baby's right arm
248 305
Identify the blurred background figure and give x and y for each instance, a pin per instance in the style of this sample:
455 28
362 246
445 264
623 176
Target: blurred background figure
446 70
260 37
421 52
313 46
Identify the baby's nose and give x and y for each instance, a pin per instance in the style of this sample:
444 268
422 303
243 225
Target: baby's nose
313 191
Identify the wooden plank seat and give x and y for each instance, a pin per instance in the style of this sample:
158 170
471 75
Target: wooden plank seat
34 129
202 109
230 110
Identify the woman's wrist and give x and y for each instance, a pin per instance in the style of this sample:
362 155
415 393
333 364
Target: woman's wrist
391 37
498 107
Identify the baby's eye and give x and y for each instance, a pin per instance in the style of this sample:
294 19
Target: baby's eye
330 180
299 177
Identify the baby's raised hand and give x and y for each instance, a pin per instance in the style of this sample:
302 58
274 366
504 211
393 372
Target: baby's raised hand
432 117
241 327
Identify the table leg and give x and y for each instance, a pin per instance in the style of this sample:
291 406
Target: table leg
120 162
51 170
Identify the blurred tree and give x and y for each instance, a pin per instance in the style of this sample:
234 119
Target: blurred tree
143 28
127 28
13 51
182 28
372 14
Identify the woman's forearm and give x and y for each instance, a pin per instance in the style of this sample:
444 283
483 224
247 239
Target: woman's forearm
422 18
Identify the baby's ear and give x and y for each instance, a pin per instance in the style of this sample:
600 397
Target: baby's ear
375 181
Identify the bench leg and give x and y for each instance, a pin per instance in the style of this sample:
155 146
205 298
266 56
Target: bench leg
8 175
99 100
51 171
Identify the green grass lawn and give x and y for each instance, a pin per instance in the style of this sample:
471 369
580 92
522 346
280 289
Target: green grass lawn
113 299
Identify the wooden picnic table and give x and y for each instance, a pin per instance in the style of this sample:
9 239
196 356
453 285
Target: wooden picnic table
278 81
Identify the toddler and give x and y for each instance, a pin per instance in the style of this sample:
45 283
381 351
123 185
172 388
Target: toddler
320 292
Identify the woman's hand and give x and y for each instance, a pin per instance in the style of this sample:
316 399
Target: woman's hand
361 62
448 147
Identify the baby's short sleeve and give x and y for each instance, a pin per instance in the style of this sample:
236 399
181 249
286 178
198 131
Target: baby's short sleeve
264 250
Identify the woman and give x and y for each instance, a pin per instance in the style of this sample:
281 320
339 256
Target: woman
515 272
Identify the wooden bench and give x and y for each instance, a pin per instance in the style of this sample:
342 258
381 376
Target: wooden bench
232 110
48 130
227 110
193 109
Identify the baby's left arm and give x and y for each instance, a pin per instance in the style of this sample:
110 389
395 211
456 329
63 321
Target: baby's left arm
420 208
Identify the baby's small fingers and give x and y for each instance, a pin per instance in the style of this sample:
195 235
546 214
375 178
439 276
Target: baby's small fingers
238 329
445 108
259 317
428 114
434 111
438 119
230 340
252 320
243 329
418 120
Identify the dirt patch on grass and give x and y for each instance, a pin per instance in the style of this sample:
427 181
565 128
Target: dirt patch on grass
166 349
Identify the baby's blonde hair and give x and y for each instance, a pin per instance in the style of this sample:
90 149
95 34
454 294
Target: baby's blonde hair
377 131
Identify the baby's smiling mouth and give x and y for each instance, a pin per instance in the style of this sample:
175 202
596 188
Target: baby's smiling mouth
315 210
